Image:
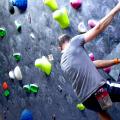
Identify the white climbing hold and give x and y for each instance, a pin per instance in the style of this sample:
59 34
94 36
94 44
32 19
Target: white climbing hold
82 28
32 35
50 57
18 73
11 75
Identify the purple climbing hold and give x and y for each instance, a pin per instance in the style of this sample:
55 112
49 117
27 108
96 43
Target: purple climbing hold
91 55
92 23
107 70
26 115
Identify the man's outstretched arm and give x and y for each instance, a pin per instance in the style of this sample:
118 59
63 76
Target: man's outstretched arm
102 24
106 63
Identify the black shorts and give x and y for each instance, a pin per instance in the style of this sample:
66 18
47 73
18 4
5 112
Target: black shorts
114 92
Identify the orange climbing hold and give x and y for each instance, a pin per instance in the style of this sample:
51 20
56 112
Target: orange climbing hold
5 85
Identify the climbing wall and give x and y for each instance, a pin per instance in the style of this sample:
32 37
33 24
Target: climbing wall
39 38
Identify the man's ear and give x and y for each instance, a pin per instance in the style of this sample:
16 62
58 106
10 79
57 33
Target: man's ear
59 48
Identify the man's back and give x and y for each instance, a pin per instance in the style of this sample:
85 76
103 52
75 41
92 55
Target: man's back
81 71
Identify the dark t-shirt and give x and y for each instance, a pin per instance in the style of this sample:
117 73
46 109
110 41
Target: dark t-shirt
80 70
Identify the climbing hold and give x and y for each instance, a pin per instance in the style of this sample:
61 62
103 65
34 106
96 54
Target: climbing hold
44 65
5 85
3 32
21 4
50 57
82 28
17 56
59 88
6 93
76 3
18 26
11 8
52 4
92 23
11 75
17 73
91 55
27 88
80 106
61 16
53 117
107 70
34 88
26 115
32 35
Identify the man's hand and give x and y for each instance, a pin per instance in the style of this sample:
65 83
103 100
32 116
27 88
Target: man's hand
116 60
102 24
106 63
118 6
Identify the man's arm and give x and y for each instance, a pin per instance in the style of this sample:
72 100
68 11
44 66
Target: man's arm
106 63
102 24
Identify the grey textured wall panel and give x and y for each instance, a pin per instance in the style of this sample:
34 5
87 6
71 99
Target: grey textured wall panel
38 20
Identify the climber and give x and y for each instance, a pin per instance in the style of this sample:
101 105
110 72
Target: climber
87 83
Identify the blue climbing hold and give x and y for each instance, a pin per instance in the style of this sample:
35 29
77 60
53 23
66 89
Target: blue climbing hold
21 4
26 115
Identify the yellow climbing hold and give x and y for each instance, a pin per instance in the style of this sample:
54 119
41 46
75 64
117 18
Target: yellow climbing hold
52 4
61 16
44 65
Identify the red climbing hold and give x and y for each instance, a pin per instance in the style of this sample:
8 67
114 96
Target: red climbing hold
75 3
5 85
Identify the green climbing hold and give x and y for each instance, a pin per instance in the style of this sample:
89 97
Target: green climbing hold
3 32
27 88
44 65
31 88
17 56
52 4
34 88
18 26
61 16
6 93
80 106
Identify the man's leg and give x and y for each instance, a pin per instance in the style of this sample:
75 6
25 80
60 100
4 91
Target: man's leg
118 80
92 104
104 116
114 91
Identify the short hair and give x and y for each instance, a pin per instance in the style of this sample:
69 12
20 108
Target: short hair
63 38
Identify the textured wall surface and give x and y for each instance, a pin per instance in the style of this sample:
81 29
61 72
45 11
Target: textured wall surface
38 20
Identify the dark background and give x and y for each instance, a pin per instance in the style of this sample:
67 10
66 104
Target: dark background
49 100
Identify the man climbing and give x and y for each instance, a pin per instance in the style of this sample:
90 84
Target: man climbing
86 80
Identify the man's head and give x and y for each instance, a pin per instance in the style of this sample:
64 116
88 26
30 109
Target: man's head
63 41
